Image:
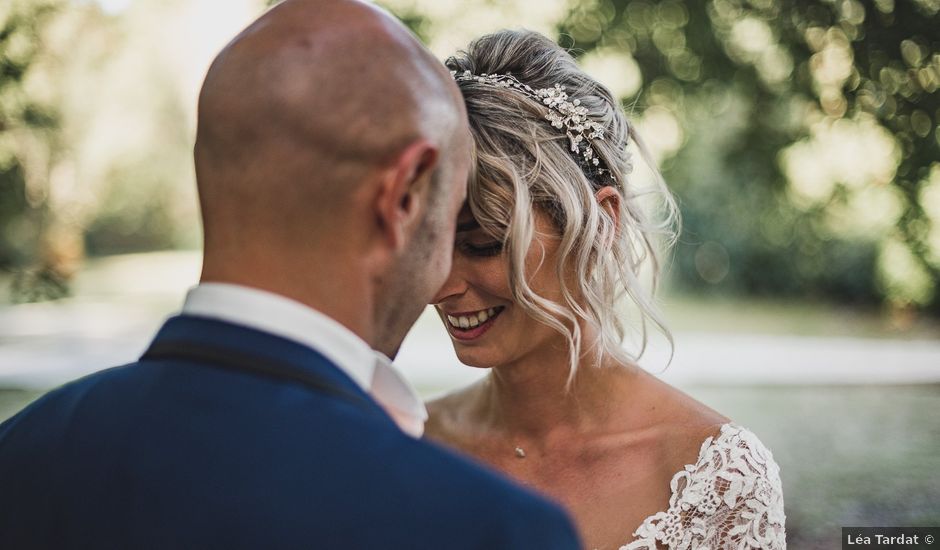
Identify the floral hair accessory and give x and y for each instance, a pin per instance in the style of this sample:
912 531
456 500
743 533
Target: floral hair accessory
564 114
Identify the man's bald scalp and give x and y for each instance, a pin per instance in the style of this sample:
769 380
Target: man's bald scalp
305 102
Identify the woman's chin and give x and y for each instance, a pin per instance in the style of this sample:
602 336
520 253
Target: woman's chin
475 360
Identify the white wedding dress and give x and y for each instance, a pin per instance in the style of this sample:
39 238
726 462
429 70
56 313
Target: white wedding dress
730 498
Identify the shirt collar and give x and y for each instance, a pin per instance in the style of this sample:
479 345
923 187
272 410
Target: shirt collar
276 314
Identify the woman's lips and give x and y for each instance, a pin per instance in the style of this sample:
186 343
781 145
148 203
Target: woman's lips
461 326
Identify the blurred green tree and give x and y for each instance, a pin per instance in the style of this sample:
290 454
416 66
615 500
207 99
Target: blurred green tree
761 88
803 138
27 144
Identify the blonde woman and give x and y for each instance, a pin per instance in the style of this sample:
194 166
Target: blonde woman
551 237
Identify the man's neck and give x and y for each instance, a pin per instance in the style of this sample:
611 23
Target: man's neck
343 295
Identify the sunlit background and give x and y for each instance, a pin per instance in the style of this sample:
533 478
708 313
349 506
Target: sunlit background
801 138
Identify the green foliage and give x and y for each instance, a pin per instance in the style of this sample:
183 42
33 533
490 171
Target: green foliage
135 211
747 79
750 83
25 128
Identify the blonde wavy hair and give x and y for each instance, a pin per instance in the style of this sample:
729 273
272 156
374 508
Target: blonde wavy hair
523 164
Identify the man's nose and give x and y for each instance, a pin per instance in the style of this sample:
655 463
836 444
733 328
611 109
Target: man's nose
456 282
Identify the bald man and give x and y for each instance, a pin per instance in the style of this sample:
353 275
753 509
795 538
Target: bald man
331 158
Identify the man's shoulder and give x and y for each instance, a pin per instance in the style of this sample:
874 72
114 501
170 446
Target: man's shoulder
66 397
268 439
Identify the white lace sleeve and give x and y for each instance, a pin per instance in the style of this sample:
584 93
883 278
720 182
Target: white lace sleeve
730 499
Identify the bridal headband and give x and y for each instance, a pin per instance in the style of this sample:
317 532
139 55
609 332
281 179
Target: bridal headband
564 114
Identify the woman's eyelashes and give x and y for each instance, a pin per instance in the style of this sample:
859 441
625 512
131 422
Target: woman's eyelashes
479 250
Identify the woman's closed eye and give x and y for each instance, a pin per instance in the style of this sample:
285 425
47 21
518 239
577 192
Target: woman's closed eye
483 249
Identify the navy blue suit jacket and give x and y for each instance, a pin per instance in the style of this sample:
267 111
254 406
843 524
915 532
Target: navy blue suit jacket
183 452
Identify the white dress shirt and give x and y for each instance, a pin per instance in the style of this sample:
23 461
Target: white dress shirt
287 318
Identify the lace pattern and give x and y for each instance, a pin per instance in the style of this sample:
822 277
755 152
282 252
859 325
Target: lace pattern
730 499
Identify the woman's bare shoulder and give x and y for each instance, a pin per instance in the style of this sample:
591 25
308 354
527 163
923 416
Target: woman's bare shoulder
675 406
683 422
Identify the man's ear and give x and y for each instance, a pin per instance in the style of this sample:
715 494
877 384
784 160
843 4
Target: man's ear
609 199
403 191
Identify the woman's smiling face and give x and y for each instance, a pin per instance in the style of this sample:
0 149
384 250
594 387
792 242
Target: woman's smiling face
487 327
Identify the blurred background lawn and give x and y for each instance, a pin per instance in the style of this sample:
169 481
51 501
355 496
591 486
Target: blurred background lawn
801 138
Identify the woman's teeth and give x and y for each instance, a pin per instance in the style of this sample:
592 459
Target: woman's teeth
472 320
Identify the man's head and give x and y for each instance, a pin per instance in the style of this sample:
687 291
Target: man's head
331 158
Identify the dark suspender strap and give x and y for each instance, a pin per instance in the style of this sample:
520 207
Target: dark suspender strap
254 364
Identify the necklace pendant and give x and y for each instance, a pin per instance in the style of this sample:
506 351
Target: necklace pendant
520 453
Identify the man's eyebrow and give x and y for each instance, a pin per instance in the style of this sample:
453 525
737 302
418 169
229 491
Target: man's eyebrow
468 225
